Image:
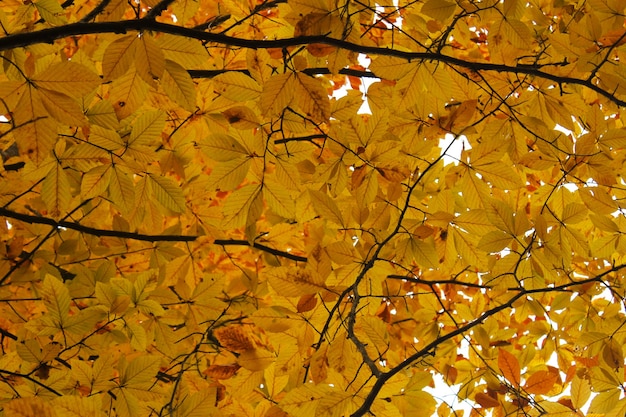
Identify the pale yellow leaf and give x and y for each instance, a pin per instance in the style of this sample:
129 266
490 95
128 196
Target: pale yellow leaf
495 241
580 391
500 175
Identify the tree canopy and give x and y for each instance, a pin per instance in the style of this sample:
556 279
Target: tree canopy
312 207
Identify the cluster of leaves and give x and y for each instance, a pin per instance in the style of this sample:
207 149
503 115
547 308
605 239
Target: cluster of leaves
193 224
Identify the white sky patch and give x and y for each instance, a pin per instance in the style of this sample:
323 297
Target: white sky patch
452 147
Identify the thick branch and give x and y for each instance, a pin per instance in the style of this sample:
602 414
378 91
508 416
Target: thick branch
74 29
27 218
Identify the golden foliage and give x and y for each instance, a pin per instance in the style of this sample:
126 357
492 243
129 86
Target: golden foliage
312 208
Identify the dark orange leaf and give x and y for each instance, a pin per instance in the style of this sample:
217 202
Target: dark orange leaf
509 366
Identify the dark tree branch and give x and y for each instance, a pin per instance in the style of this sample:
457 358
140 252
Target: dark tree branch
308 71
75 29
27 218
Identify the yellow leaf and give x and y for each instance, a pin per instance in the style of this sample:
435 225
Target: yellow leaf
51 11
580 391
574 213
105 138
198 404
103 114
304 399
375 330
185 9
347 106
84 321
29 350
517 33
128 93
29 407
187 52
244 206
126 403
326 207
278 199
70 78
336 404
62 107
167 193
37 130
438 10
278 93
140 373
179 86
230 174
294 282
149 59
122 189
256 359
474 221
118 57
500 175
237 86
147 129
76 406
56 298
221 147
95 182
241 117
495 241
55 191
409 87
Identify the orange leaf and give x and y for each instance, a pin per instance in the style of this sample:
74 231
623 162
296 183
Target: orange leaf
509 366
541 382
486 401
